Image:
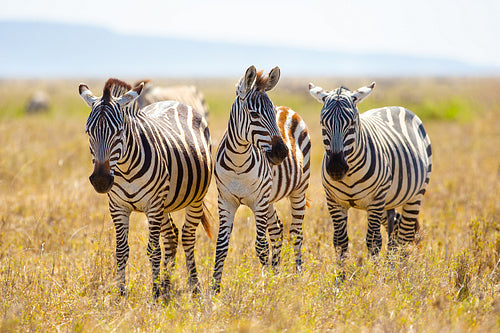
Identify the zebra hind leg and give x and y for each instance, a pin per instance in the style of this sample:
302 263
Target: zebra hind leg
390 221
170 236
407 226
194 214
298 206
373 236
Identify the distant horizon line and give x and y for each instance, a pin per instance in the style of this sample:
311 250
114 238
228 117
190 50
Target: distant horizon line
42 49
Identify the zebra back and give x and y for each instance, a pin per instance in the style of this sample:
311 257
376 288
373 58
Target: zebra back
293 173
189 95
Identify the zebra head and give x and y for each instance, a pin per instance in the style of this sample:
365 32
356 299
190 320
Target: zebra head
256 114
340 125
105 129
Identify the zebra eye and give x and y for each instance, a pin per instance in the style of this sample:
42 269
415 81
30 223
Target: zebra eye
254 114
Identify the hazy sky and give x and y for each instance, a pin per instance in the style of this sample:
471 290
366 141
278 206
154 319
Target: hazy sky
456 29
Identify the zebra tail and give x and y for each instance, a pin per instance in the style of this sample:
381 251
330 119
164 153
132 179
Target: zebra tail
308 202
206 219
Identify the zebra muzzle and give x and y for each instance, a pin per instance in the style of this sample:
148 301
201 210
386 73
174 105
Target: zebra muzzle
336 166
278 151
101 179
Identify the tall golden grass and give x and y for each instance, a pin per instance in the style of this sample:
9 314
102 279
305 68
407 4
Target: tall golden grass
57 266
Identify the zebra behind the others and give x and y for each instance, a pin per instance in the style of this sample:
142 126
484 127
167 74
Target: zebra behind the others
262 158
189 95
377 161
154 160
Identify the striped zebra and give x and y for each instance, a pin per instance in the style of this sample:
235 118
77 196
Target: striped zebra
376 161
154 160
263 157
188 95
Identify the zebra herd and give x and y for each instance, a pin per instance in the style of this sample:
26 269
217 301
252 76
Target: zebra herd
156 158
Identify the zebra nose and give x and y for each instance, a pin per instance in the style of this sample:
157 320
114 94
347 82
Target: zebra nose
101 179
336 166
278 152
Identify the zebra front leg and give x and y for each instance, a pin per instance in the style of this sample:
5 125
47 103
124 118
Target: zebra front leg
338 214
155 218
170 235
275 228
227 210
373 235
261 221
121 222
194 213
298 207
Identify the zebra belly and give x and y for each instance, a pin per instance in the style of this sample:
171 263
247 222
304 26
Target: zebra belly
245 190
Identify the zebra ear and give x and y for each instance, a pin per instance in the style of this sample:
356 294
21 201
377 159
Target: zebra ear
362 93
130 96
86 94
274 77
247 82
317 92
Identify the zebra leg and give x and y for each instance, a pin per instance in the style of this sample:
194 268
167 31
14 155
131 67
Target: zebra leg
227 210
194 213
298 207
275 228
170 235
121 220
261 217
338 214
407 227
155 218
373 235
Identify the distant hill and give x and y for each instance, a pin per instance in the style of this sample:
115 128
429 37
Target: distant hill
51 50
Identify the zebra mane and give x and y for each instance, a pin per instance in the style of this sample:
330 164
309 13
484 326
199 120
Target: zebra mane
114 88
339 90
261 81
146 81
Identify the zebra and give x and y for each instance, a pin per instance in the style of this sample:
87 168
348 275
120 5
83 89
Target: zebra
376 161
189 95
263 157
154 160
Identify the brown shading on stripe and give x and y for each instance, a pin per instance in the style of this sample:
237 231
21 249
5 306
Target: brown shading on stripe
113 85
261 81
293 127
283 110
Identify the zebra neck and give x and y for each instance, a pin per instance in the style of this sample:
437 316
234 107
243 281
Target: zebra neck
360 147
132 139
237 151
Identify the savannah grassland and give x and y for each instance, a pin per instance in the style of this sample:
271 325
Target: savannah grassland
57 263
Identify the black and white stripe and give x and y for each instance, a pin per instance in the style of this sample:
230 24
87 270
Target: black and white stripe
377 161
262 158
154 160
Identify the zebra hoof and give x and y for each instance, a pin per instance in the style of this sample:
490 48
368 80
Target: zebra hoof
216 289
340 279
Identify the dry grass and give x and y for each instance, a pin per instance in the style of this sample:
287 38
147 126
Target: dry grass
57 267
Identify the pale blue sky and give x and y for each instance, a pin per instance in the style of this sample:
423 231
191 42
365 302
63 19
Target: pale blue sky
455 29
